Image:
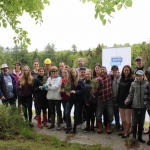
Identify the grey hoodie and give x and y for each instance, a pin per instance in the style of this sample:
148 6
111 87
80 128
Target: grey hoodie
139 91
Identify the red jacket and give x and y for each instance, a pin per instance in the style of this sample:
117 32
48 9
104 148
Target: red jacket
64 96
105 88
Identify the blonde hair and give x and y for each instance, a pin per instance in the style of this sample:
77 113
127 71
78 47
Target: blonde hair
91 72
54 68
23 79
71 79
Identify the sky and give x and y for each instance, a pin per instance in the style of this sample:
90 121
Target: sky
68 22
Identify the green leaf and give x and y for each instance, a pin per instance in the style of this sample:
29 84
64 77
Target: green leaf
17 31
128 3
96 14
104 22
94 1
101 17
109 21
119 6
83 1
122 1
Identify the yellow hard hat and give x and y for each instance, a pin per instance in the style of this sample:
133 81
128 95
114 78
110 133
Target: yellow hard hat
47 61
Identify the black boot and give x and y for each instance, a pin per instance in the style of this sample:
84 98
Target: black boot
59 118
52 123
140 131
134 129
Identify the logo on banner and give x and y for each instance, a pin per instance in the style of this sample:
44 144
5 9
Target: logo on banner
116 61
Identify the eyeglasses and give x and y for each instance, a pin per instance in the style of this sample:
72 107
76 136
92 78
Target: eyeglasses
53 71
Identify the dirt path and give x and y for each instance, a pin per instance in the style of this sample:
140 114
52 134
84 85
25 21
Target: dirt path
113 140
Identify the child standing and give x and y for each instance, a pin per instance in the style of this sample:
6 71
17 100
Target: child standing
138 93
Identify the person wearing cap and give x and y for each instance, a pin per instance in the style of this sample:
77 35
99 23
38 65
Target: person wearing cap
105 103
139 92
80 64
47 64
115 84
8 91
16 74
139 66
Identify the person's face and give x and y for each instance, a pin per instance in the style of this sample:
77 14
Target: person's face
48 66
139 77
139 63
88 75
82 73
115 72
65 74
54 73
17 66
126 71
5 70
74 73
26 71
103 71
80 63
36 65
97 70
41 72
61 66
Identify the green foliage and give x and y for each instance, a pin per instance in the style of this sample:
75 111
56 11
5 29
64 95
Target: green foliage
105 8
11 10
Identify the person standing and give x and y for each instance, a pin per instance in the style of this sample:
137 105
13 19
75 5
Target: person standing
53 86
115 84
123 91
25 87
80 64
138 91
8 91
75 96
40 97
61 67
105 100
34 72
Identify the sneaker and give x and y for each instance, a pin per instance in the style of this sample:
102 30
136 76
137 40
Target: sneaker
87 129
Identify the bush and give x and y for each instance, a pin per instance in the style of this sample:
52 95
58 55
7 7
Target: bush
12 123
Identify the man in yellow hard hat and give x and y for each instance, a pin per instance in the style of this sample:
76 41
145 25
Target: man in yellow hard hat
47 64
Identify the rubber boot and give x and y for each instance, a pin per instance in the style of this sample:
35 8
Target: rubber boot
108 129
100 127
45 120
59 118
52 122
134 129
140 131
39 121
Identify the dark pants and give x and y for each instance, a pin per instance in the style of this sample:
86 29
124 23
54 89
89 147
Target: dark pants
26 102
53 104
82 113
90 110
39 108
69 105
138 118
105 105
64 106
116 115
11 101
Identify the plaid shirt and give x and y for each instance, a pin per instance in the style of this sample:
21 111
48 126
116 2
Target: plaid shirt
105 88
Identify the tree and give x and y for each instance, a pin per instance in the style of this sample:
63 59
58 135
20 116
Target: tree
11 10
74 48
104 8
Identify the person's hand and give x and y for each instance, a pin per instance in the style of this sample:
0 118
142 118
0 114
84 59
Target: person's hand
41 87
87 105
45 86
93 91
62 90
72 91
3 98
126 103
68 93
33 98
50 84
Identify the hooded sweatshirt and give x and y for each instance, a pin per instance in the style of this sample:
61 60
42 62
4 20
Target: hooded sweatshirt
138 92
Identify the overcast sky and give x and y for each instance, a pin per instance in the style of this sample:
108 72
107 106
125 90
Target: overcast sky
68 22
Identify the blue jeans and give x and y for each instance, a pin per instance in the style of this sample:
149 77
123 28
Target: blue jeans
105 105
77 105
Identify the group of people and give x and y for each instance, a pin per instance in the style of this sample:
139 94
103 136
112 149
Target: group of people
97 97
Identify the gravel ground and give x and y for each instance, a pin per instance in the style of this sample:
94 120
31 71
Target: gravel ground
113 140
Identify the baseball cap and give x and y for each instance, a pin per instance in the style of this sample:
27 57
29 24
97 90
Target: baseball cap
138 58
140 72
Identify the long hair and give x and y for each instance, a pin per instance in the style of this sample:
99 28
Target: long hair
26 79
123 75
94 73
71 79
91 72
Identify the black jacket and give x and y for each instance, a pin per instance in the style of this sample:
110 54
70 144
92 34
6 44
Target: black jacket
123 91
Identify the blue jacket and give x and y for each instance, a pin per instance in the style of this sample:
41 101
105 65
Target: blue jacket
2 90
